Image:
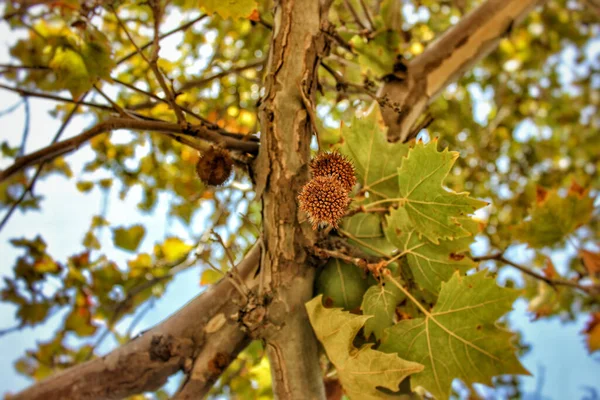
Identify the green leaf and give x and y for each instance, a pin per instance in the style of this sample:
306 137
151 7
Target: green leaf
31 314
555 217
377 55
229 8
362 370
364 230
342 284
80 322
433 210
71 71
129 238
380 301
376 160
458 338
431 264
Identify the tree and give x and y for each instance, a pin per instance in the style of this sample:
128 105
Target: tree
399 303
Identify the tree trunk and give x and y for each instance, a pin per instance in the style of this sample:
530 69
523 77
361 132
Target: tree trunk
282 166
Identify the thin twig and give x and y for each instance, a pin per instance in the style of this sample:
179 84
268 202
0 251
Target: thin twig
12 329
11 66
589 289
163 36
355 15
157 11
25 127
203 81
39 169
233 270
24 92
368 15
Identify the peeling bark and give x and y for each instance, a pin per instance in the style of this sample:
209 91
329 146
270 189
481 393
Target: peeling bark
298 44
144 364
447 59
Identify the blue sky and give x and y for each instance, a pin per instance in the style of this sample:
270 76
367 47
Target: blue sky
557 348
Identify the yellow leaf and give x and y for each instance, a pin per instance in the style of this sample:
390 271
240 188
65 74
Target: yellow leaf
210 276
174 249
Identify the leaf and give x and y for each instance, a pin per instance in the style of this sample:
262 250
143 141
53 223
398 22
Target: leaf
458 338
555 217
129 238
377 55
33 313
591 261
433 210
80 322
431 264
84 186
210 276
375 159
71 72
174 249
342 284
229 8
364 230
380 301
359 370
592 332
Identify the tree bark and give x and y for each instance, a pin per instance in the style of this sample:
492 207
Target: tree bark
297 46
196 338
447 59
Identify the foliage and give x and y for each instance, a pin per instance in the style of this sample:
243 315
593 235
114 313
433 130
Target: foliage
518 132
359 370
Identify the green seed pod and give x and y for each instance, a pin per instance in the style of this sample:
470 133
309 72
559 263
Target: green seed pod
342 285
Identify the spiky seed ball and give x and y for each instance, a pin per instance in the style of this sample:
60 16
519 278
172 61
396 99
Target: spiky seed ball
334 164
214 166
324 200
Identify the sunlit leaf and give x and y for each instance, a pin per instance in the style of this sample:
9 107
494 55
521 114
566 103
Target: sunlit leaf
458 338
361 370
129 238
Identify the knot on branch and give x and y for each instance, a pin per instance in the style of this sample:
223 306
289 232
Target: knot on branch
218 363
163 348
253 317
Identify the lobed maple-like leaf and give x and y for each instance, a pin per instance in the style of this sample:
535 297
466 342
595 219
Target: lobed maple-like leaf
431 264
458 338
375 159
362 370
434 211
553 217
229 8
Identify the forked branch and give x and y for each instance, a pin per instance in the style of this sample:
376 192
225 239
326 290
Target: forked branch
189 340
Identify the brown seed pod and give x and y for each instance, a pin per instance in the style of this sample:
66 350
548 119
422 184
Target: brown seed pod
324 200
214 166
334 164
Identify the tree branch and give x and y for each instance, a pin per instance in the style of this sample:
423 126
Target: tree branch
185 341
68 145
591 290
446 59
203 81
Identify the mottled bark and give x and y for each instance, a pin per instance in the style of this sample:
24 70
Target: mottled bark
189 340
286 129
447 59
